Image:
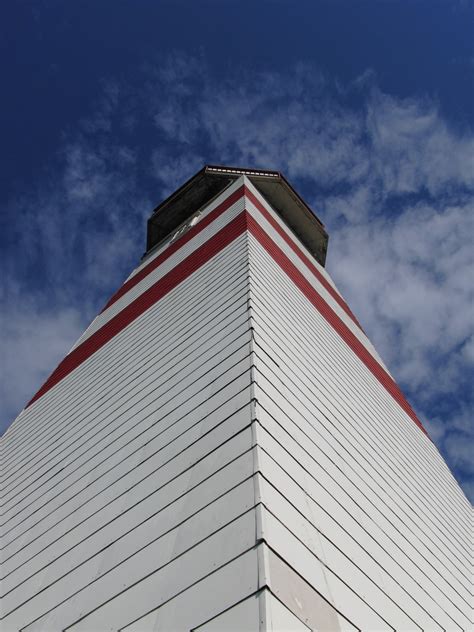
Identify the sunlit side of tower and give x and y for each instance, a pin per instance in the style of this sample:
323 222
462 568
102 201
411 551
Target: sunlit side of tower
224 449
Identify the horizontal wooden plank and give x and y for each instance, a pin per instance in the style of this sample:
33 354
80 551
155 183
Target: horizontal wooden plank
115 442
326 583
171 505
350 517
173 318
142 462
217 591
295 310
278 617
312 356
229 456
389 569
301 597
245 615
142 303
171 258
164 584
345 475
128 491
92 587
345 558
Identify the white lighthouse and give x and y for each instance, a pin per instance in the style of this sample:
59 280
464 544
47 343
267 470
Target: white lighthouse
224 449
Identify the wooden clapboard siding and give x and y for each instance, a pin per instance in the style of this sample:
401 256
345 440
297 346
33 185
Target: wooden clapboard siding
223 449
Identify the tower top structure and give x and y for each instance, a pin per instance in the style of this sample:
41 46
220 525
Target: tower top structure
185 203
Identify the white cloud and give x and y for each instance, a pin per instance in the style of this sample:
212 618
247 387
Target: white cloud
400 277
412 148
76 237
459 450
34 341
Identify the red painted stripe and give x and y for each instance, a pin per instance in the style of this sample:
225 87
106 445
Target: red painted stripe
135 309
308 263
244 221
332 318
192 232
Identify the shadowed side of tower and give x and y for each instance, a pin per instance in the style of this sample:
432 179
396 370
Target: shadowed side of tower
223 448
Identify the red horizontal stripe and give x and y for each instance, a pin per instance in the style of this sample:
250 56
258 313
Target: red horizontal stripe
135 309
308 263
172 248
244 221
332 318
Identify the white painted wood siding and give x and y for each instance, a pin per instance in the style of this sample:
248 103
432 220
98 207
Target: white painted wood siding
227 462
138 466
347 477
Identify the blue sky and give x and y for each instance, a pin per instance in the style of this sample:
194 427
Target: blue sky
366 106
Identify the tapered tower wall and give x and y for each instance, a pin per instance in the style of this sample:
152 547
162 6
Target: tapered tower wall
129 480
355 497
223 448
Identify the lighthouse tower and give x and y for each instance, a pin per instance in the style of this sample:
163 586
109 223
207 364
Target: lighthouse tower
224 449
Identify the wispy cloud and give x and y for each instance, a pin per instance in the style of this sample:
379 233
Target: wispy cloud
70 241
34 340
390 178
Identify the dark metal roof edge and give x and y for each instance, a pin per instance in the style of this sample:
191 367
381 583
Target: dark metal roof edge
307 207
179 191
236 172
256 173
211 180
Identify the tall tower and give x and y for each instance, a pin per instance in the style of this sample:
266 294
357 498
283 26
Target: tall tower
224 449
